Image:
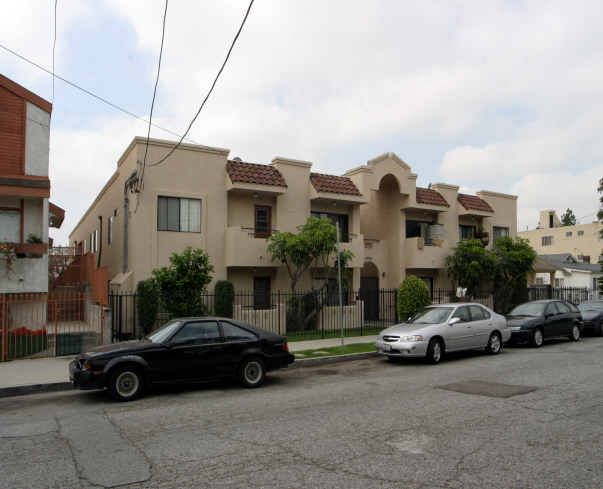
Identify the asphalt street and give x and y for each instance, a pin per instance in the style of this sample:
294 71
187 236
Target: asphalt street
523 419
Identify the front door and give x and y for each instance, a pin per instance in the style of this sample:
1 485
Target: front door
481 324
566 322
236 341
261 292
459 336
553 321
369 294
196 352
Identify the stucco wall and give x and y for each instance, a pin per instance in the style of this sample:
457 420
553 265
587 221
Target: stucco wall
589 244
28 275
37 137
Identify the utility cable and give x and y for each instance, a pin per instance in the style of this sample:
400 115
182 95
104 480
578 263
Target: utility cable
88 92
54 45
210 90
146 150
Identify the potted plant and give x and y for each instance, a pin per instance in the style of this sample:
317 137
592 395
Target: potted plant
7 253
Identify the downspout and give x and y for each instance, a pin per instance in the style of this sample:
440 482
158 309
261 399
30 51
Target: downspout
132 179
100 239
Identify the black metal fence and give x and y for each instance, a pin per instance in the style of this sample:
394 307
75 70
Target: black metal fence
307 315
575 295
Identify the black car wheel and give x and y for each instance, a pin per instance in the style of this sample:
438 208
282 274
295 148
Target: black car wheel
575 333
435 351
252 372
599 329
537 338
494 344
126 383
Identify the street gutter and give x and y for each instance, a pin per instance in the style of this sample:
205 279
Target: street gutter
24 390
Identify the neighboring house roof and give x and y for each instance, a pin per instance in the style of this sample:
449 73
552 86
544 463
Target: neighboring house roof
239 171
26 94
567 260
56 215
431 197
474 202
542 265
333 184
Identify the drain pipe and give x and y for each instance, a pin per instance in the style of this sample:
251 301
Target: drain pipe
132 179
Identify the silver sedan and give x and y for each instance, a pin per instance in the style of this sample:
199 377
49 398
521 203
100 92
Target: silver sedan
445 328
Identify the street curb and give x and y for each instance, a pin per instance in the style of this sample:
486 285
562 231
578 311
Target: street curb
24 390
313 362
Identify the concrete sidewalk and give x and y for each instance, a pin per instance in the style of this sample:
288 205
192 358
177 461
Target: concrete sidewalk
26 376
326 343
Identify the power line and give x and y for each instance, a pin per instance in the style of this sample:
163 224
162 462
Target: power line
88 92
54 45
210 90
146 150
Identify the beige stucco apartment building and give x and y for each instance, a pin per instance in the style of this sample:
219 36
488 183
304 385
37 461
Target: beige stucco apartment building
201 198
583 241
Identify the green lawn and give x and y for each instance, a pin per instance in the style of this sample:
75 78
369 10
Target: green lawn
336 350
318 335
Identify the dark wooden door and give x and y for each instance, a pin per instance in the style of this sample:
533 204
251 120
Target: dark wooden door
369 293
261 292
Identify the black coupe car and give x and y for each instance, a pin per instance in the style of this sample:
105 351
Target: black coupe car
592 315
537 321
184 350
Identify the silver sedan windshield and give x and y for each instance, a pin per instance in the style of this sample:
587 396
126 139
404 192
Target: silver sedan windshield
431 315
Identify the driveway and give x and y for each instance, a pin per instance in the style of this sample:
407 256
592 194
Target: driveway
523 419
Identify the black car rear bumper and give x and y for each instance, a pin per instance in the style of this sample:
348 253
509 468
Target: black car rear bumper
84 379
279 361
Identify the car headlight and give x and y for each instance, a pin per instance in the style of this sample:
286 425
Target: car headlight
416 337
86 365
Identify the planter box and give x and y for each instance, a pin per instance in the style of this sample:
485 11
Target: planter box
31 249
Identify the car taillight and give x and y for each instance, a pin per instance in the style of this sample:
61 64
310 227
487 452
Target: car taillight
285 346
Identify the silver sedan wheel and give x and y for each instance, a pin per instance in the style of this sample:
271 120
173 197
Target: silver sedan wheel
127 384
538 339
437 352
494 343
575 333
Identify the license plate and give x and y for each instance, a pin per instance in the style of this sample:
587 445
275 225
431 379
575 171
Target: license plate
387 347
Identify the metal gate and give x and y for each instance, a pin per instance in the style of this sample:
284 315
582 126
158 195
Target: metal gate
42 325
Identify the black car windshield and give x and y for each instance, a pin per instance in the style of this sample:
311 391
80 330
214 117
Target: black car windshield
529 309
163 333
431 315
591 306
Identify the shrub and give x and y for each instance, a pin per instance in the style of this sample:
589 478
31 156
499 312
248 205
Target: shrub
182 284
147 304
224 298
413 295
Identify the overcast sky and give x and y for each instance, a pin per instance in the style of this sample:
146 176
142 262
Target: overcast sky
498 95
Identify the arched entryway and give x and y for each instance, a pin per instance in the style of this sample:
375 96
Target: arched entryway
369 290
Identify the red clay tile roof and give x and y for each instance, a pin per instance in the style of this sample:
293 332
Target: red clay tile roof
431 197
474 202
239 171
333 184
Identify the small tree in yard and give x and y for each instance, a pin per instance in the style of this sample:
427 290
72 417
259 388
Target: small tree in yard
471 264
314 244
413 295
568 218
182 284
147 304
514 260
224 298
